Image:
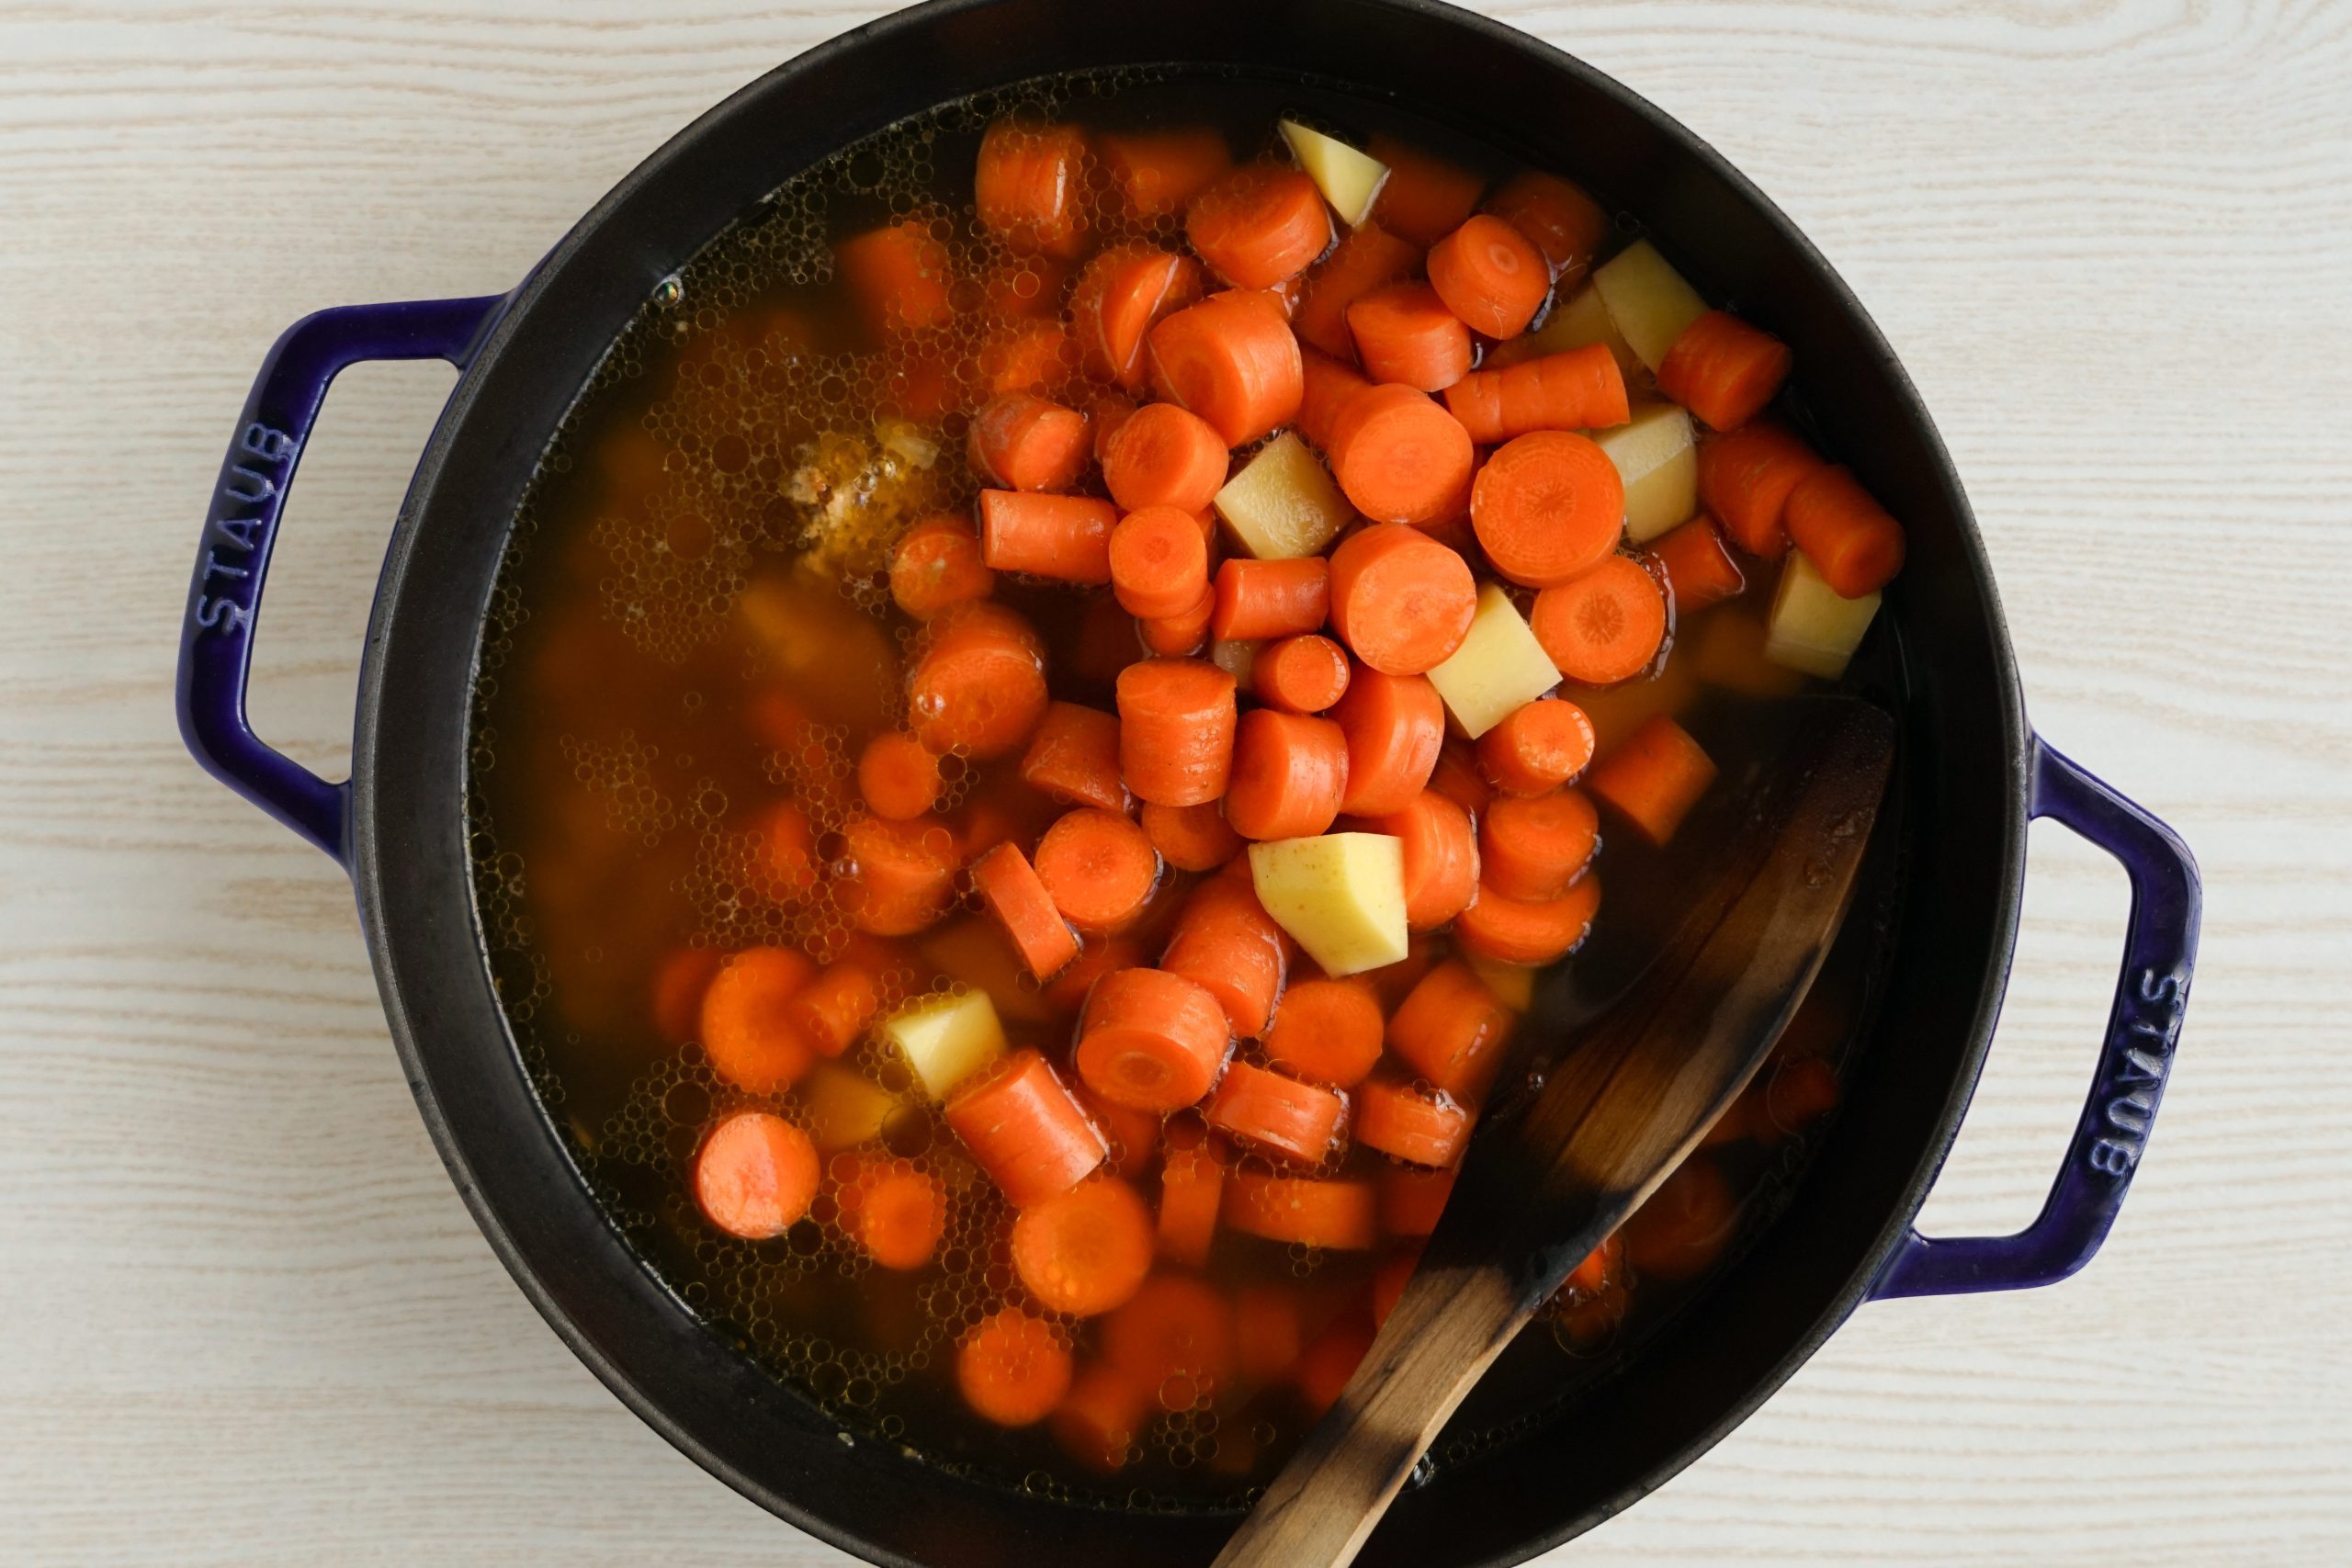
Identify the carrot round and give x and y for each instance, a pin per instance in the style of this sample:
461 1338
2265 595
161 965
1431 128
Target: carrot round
1099 954
1326 388
897 777
1115 301
894 1213
899 275
1150 1039
937 564
1258 599
1450 1031
1403 333
1183 634
1577 388
1424 196
1098 1419
1394 725
1845 532
746 1025
1158 173
1226 942
1231 359
1190 837
1086 1250
1724 370
1159 563
978 685
755 1175
1074 757
1133 1135
1490 275
1532 848
1604 625
1400 601
1457 777
1163 456
1176 725
1520 930
1412 1200
1303 1211
900 875
1538 747
1289 775
1013 1368
1191 1187
1300 674
1399 1120
1176 1338
1547 506
1561 221
1398 457
1063 536
1440 855
1684 1224
1036 356
1745 478
1276 1114
1029 186
1698 565
1024 1130
1327 1032
1022 441
1369 258
834 1008
1654 778
1099 867
1260 225
1010 888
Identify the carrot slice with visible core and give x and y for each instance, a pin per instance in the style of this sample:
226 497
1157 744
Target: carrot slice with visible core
1561 221
1150 1039
894 1213
1160 562
1099 867
1327 1032
1547 507
1538 747
1300 674
1490 275
1164 456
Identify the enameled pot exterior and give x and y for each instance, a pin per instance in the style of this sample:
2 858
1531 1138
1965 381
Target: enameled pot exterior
1974 777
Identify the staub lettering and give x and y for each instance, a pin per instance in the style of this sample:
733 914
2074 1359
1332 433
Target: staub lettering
2149 1025
240 522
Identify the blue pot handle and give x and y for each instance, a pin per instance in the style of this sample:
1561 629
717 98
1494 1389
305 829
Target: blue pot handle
216 639
2159 950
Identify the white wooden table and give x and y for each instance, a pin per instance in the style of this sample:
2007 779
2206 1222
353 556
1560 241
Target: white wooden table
244 1317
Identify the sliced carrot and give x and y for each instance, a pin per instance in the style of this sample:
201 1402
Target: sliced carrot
1024 1130
1518 930
747 1028
1097 1421
1099 954
833 1010
1258 225
1022 441
679 982
1258 599
1457 777
896 1214
1300 674
1289 775
1685 1225
1190 837
1577 388
1133 1135
1451 1031
1150 1039
1157 174
1425 197
1604 625
1538 747
1231 359
897 777
1369 258
1118 297
1698 565
1399 1120
1191 1188
1403 333
1165 456
1400 601
1086 1250
899 278
1013 1368
1412 1200
1327 1032
1029 186
1074 757
1176 725
1226 942
1008 884
1176 1338
1037 356
1655 778
1275 1114
900 876
937 564
1394 725
1746 477
1063 536
1532 848
1099 867
1023 286
1440 858
1563 222
755 1175
1302 1210
1326 388
1547 507
1270 1323
1159 563
1398 456
1490 275
1179 636
1856 545
1724 370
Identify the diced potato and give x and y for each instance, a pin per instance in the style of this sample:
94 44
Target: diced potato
1659 462
845 1108
946 1039
1350 180
1341 896
1813 629
1513 984
1648 301
1572 324
1236 656
1282 503
1498 666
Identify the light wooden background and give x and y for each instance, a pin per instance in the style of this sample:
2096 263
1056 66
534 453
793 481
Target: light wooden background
245 1319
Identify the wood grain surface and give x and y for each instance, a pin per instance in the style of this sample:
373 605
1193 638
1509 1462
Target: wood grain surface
246 1320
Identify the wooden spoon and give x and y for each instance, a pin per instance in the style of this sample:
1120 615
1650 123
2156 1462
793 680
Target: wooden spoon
1625 1101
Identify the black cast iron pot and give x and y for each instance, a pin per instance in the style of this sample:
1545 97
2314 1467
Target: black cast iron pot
1975 775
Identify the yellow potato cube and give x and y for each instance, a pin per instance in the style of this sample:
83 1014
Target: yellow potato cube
1812 627
1282 503
1350 180
1341 896
945 1038
1498 666
1659 460
1648 301
845 1108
